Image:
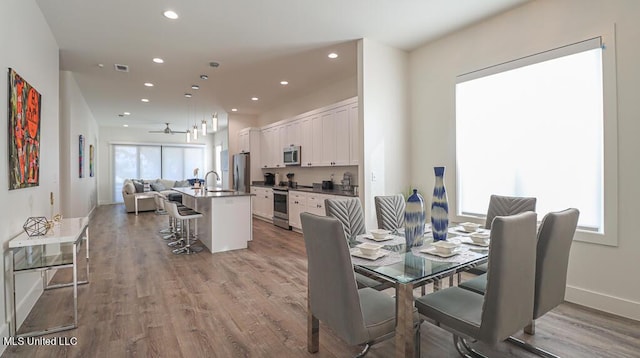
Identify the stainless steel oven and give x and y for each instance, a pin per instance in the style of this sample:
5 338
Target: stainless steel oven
281 207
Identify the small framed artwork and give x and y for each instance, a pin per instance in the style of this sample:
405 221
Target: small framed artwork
91 164
81 156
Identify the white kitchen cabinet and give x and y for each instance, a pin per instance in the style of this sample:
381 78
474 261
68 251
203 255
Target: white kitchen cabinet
326 137
281 140
249 141
335 143
301 201
315 203
306 141
341 136
354 135
297 205
263 202
267 147
293 134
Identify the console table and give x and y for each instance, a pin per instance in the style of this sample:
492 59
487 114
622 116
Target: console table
30 254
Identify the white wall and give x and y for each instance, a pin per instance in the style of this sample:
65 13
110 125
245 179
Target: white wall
76 119
384 117
109 135
599 276
323 96
28 47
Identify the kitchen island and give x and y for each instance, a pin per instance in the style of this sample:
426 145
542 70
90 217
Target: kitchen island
226 224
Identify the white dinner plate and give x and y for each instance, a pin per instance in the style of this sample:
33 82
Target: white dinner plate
357 253
483 244
371 237
432 251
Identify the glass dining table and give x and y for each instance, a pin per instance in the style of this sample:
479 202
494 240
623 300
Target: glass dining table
410 269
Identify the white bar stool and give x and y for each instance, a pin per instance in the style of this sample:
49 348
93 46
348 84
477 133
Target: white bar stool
184 215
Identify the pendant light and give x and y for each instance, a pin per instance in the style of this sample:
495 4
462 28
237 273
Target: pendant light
195 132
188 136
214 118
204 127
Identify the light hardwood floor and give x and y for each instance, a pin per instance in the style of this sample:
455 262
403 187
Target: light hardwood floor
143 301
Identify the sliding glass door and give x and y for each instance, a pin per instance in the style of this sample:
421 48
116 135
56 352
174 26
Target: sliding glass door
133 161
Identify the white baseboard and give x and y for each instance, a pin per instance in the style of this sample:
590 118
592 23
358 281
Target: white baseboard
615 305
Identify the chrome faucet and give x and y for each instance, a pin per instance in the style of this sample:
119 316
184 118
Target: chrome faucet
207 175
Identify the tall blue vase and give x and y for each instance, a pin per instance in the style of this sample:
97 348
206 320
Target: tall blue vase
439 207
414 218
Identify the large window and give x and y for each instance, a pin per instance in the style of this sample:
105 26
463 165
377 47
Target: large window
534 127
152 162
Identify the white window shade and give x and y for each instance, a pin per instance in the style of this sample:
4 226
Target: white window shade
534 127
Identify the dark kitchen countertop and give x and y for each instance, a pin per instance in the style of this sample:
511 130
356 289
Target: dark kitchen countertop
310 189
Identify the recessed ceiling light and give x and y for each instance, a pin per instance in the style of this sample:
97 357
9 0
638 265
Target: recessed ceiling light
284 83
170 14
188 95
127 113
332 55
125 125
148 84
204 77
145 100
234 110
195 87
158 60
254 98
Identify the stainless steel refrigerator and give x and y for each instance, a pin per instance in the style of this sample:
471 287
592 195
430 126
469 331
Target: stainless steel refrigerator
241 172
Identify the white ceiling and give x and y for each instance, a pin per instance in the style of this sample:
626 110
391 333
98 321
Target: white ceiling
258 43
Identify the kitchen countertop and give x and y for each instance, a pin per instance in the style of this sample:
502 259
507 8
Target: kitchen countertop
199 193
310 189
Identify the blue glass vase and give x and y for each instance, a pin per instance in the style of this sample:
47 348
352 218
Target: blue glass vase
439 207
414 218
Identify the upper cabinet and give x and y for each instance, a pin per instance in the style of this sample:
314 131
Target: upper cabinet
249 140
327 136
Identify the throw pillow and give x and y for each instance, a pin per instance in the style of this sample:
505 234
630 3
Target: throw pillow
139 186
182 184
128 187
158 186
146 187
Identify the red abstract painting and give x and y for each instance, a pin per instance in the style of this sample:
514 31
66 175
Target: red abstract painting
24 133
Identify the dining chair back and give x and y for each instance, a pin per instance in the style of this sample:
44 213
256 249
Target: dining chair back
508 205
358 316
349 212
390 211
507 305
552 261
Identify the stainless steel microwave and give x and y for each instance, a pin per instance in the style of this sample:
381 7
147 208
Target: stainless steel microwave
291 155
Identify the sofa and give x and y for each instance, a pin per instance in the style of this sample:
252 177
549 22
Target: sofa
132 186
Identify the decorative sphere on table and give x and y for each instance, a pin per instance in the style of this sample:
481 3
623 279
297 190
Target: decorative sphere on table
414 218
439 207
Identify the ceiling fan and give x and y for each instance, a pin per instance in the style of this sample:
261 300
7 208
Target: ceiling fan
167 130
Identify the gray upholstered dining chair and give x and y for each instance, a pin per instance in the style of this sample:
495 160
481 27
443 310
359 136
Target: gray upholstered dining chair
507 305
358 316
349 212
390 211
504 206
508 205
